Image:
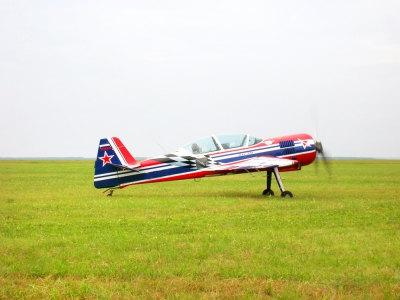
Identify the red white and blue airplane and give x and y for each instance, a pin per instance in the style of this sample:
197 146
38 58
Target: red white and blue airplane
215 155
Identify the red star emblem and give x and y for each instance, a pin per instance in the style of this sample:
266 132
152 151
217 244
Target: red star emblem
106 158
304 143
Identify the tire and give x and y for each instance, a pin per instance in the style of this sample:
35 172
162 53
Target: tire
287 194
268 193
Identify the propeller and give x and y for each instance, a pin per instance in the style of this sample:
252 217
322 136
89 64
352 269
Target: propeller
321 156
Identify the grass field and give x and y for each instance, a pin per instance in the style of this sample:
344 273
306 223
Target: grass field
338 238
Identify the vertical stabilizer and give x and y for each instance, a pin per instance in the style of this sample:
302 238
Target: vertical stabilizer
112 158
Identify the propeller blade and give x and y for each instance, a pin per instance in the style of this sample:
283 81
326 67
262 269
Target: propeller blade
322 157
326 164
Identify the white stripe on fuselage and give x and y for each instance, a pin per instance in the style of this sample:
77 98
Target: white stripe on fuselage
243 152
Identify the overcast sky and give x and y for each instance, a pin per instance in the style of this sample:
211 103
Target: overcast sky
159 74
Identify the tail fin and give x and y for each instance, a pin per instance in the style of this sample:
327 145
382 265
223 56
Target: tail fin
112 157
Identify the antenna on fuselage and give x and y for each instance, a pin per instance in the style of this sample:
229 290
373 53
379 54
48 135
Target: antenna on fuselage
165 152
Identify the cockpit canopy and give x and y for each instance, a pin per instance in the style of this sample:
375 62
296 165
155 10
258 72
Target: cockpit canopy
221 142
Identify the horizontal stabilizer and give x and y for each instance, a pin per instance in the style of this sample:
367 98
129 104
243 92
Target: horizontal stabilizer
130 167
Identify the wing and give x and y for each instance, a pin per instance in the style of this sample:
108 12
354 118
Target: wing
256 163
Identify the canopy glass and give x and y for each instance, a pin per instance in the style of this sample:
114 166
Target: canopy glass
221 142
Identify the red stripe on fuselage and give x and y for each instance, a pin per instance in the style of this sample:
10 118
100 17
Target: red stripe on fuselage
150 163
294 137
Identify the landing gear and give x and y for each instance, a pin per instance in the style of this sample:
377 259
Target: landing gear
110 192
287 194
268 192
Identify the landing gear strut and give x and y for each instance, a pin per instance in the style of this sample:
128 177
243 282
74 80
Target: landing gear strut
110 192
268 192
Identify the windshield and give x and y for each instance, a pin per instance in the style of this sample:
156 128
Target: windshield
229 141
204 145
221 142
253 140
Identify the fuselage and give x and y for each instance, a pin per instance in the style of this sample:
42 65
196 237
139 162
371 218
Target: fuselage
205 157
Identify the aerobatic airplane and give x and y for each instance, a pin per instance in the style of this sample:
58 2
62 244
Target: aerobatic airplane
215 155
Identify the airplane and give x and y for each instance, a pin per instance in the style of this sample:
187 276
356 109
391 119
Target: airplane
214 155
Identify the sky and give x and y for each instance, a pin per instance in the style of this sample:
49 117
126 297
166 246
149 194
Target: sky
160 74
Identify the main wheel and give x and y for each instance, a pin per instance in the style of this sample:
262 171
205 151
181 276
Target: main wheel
268 193
287 194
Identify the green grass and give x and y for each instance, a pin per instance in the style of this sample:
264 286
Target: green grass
338 238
